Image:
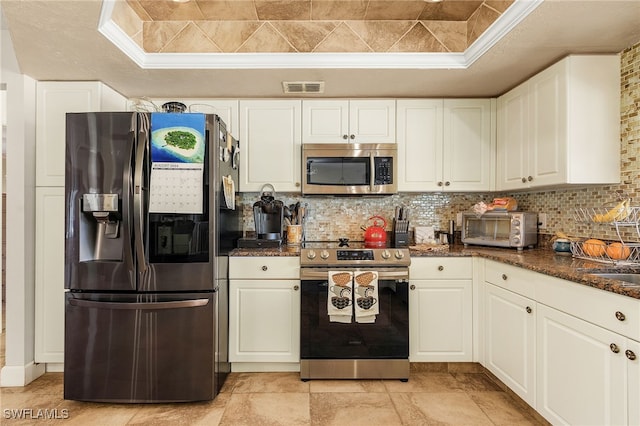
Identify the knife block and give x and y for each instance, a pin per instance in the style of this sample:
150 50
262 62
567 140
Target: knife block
401 233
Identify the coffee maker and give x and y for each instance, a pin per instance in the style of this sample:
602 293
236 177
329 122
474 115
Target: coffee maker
268 217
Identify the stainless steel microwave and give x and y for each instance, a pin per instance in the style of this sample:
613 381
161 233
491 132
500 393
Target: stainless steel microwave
348 168
500 229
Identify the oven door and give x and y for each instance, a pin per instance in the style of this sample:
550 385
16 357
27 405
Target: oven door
488 229
386 338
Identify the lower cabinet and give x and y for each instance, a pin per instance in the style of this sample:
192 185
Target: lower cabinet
585 374
264 310
440 310
509 340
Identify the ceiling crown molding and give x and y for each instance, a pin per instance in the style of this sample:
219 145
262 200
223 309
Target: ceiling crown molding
396 60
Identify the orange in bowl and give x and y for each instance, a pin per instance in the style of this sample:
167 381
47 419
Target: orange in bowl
618 251
593 247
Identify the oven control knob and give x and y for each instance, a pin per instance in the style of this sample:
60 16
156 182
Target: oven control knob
399 254
311 254
385 254
324 254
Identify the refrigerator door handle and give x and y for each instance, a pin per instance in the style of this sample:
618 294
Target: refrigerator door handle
194 303
126 195
138 203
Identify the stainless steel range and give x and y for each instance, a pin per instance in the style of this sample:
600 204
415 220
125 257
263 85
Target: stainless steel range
354 311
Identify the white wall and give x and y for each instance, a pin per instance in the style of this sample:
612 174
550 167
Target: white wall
19 366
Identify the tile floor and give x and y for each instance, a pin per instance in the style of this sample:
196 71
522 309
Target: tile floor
434 397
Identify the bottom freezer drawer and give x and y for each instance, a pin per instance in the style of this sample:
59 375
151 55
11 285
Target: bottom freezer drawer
140 348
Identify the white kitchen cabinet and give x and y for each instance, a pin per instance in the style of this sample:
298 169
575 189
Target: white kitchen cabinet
583 373
562 126
446 145
49 275
350 121
227 109
509 340
440 310
264 310
270 138
53 100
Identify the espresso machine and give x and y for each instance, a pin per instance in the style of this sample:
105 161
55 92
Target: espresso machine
268 217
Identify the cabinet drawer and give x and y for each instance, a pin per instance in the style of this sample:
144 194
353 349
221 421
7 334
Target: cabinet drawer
264 267
513 278
441 268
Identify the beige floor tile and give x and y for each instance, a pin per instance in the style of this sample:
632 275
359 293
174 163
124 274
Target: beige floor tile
355 386
501 409
93 413
269 382
367 409
426 382
439 409
266 409
205 413
471 382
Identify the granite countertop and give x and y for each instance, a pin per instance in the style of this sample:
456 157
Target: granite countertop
542 260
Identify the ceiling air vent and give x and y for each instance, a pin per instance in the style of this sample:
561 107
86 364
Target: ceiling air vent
303 86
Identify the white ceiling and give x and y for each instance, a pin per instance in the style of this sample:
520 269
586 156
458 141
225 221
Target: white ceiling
59 40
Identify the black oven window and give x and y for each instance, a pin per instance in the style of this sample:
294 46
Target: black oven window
338 171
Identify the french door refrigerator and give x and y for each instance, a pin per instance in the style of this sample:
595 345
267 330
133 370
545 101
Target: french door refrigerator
150 219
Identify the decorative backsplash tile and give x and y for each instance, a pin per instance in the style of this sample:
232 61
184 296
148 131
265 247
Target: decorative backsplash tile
208 26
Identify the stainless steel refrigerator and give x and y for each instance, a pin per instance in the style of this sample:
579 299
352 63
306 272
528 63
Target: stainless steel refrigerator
150 219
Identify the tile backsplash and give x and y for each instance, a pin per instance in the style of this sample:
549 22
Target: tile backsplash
330 218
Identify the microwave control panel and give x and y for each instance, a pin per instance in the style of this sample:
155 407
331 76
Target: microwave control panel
383 170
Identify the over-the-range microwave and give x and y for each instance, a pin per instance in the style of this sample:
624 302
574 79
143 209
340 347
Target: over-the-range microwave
500 229
349 168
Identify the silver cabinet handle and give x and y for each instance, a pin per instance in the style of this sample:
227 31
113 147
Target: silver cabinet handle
296 287
345 137
264 267
440 268
620 316
528 309
447 183
352 136
530 178
614 348
524 180
504 277
412 286
630 354
440 184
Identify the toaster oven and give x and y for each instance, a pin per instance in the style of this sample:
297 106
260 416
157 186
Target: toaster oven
500 229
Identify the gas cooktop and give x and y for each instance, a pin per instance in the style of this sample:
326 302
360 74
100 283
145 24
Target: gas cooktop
352 253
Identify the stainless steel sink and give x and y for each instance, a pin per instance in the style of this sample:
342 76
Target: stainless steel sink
630 280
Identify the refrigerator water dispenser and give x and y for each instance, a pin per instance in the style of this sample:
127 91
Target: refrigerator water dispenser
100 228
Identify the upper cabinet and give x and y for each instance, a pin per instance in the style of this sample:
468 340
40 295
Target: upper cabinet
349 121
53 100
446 145
270 141
562 126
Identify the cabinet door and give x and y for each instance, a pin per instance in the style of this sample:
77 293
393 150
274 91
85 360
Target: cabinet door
264 321
325 121
512 143
53 101
440 324
49 275
548 126
420 136
580 380
271 145
372 121
509 340
633 380
227 109
469 145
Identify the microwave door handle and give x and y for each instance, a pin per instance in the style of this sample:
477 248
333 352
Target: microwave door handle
372 176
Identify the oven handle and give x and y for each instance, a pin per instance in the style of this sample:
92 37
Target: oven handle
382 275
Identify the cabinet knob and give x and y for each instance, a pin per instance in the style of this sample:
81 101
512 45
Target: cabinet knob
504 277
447 183
345 137
440 268
412 286
524 180
614 348
439 183
297 184
264 267
620 316
296 287
528 309
630 354
530 178
352 136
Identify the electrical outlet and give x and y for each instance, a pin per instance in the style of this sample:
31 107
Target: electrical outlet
542 220
459 220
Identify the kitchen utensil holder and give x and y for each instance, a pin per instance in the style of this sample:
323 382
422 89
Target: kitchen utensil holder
401 233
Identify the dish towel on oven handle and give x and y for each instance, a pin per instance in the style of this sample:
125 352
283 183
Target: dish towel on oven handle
366 296
339 297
